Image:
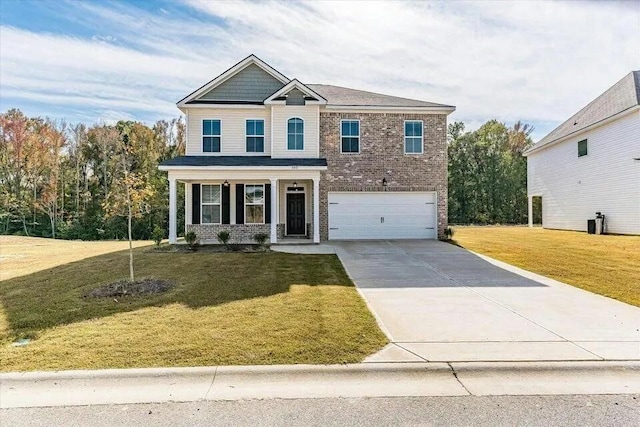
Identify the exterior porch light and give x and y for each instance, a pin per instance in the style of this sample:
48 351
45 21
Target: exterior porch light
295 184
225 183
384 181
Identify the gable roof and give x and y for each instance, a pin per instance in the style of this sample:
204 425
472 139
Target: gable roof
346 97
229 73
295 84
333 96
620 97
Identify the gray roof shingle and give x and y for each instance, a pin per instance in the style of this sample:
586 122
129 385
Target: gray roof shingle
240 161
343 96
620 97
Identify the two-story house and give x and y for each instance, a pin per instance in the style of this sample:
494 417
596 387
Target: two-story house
591 163
267 154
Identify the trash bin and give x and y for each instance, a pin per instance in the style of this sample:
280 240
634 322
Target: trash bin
591 226
599 223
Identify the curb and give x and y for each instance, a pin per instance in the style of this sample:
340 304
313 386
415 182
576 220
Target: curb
152 385
345 369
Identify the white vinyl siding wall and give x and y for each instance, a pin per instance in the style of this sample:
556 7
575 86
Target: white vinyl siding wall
311 116
606 180
232 123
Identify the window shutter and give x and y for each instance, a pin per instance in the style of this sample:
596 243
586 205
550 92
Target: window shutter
195 203
240 203
226 205
267 203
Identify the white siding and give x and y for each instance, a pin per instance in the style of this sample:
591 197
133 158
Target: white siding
232 129
606 180
311 116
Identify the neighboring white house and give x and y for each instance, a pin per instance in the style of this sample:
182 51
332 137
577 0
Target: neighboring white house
591 163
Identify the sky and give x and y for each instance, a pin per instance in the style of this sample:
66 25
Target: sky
539 62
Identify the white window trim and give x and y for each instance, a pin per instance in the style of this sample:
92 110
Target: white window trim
210 204
404 139
263 204
264 132
359 139
295 149
202 135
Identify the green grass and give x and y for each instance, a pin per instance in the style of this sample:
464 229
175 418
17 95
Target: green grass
604 264
226 308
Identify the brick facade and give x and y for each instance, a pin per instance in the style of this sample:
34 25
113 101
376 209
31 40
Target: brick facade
240 233
382 156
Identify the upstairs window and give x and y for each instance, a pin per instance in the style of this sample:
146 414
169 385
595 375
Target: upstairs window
295 134
210 204
254 204
413 137
255 136
582 148
350 136
211 136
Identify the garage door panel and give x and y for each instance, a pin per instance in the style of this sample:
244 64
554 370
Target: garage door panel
386 215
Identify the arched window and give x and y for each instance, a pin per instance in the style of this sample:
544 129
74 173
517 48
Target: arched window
295 134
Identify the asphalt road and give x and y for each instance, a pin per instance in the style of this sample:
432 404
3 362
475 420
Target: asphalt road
583 410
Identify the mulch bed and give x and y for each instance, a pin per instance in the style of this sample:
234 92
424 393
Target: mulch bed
234 247
127 288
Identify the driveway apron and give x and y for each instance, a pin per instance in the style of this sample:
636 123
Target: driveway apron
440 302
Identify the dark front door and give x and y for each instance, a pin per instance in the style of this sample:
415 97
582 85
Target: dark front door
295 214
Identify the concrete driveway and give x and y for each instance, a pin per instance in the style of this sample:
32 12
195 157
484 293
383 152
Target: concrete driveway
439 302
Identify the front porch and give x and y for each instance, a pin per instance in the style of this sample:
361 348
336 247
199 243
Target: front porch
281 203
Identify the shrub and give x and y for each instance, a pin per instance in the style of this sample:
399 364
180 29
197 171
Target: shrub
448 233
157 235
192 240
260 239
223 237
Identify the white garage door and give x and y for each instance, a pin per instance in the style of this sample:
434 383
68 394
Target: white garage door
385 215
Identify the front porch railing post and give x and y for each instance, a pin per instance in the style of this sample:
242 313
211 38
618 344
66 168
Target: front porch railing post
173 201
316 210
274 210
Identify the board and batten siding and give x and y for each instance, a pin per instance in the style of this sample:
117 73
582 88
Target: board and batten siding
233 129
606 180
311 116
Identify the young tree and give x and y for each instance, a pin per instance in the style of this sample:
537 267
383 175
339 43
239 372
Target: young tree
129 194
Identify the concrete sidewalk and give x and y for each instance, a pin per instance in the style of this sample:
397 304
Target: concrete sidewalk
121 386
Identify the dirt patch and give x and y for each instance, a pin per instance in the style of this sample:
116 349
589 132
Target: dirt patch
126 288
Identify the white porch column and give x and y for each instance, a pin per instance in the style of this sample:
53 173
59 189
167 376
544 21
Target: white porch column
173 210
316 210
530 215
274 210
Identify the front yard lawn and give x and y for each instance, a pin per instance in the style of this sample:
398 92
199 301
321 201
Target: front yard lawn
603 264
224 308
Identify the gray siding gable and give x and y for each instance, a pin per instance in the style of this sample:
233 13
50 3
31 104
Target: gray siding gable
250 84
295 97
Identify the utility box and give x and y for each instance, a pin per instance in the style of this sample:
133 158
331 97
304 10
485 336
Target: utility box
599 223
591 226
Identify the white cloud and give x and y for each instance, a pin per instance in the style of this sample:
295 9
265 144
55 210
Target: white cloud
535 61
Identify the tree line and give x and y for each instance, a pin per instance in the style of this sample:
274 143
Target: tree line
488 173
87 182
77 181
